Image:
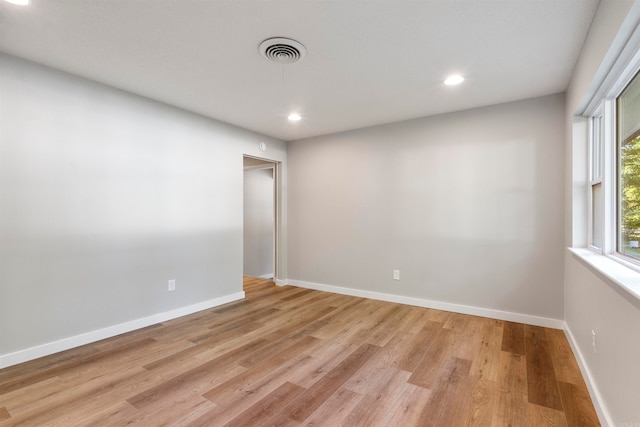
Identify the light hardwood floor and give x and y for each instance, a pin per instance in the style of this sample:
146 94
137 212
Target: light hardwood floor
286 356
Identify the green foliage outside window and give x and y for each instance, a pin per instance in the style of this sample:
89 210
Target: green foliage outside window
630 195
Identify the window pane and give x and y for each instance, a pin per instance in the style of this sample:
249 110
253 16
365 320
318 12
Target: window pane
629 111
629 223
629 170
596 215
596 148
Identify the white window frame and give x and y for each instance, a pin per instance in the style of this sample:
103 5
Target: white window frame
603 160
596 164
618 269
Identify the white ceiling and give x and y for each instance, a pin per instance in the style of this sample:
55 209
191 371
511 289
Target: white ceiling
368 62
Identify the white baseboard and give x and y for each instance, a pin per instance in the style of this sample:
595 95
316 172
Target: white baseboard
266 276
110 331
596 398
280 282
438 305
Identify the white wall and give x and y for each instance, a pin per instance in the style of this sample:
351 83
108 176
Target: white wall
600 305
104 196
467 206
592 302
258 222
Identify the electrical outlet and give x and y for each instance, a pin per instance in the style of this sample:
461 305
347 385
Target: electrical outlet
396 274
172 285
593 341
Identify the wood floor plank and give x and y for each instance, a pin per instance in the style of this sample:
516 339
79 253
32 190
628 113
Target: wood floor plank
447 395
513 338
480 404
284 337
469 335
324 358
184 401
386 396
217 334
415 352
512 390
280 420
97 394
85 382
39 366
267 407
306 322
179 412
541 377
297 293
564 362
279 319
82 417
240 396
55 370
335 410
118 341
313 397
372 373
257 315
188 351
538 416
261 369
289 356
411 403
62 403
486 360
239 306
185 379
413 319
386 326
125 361
439 315
118 414
24 396
291 323
188 412
435 358
347 321
458 322
577 405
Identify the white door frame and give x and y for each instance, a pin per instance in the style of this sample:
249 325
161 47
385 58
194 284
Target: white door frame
276 167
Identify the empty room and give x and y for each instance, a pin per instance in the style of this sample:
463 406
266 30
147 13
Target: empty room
320 212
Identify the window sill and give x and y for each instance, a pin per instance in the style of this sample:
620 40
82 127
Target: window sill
627 278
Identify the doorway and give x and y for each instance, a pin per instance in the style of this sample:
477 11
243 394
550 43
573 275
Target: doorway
260 215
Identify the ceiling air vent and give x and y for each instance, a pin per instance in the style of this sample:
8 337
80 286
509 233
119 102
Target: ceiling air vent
282 50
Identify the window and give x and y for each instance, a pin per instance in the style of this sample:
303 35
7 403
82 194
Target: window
614 173
613 180
628 170
606 171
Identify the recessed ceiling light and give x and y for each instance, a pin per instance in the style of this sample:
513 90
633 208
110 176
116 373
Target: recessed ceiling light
453 80
18 2
294 117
